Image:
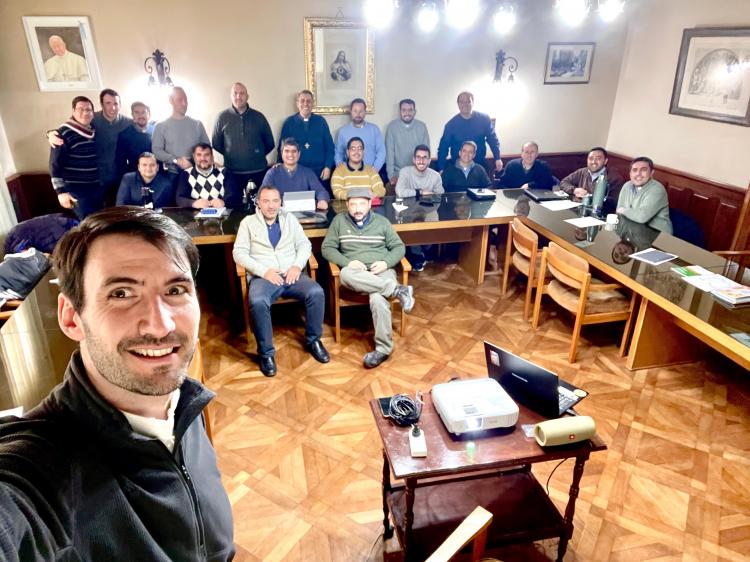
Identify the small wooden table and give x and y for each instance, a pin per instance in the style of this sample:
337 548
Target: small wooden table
458 474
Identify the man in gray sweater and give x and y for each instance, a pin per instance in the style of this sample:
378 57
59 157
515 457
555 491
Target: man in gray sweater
175 137
273 249
402 137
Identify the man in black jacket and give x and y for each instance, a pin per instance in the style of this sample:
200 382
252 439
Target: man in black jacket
115 463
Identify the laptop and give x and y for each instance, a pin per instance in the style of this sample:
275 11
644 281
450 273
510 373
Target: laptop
540 195
531 385
299 201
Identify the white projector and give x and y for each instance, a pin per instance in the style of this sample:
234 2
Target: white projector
474 405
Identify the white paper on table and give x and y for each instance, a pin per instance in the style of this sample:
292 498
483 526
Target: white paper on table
583 222
399 207
560 205
711 282
653 256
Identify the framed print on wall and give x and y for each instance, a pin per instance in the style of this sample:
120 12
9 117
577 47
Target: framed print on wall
568 63
712 80
62 50
339 64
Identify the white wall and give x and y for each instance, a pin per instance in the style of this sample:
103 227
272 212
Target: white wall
261 44
641 122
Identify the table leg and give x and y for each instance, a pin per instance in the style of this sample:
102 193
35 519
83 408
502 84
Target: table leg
411 484
658 341
571 507
387 529
473 254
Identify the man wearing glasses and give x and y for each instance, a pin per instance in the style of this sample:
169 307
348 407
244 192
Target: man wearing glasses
418 180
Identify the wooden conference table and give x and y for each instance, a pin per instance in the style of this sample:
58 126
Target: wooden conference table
458 474
454 218
671 313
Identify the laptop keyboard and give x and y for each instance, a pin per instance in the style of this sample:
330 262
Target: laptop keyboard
566 398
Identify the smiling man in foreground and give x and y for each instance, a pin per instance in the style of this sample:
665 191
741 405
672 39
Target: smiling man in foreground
115 463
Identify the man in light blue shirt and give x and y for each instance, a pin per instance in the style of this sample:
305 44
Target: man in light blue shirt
368 132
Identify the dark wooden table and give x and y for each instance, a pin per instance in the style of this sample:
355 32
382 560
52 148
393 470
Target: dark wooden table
458 474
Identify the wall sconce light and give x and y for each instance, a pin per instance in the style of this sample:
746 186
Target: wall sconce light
158 63
502 62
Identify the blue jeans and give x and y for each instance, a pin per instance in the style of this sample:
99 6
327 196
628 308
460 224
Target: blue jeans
262 294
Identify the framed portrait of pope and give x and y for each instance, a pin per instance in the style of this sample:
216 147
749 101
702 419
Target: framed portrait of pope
62 52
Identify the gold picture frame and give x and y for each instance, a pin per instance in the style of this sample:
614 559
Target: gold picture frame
339 64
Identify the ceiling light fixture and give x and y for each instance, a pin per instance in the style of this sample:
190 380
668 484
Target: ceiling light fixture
461 14
573 12
610 9
504 19
379 13
427 16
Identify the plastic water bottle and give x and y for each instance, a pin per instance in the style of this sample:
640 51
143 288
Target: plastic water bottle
600 193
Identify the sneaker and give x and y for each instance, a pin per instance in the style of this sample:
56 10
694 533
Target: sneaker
374 358
419 266
405 296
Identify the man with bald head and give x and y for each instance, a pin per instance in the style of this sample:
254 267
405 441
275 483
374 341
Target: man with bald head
64 66
243 136
175 137
527 172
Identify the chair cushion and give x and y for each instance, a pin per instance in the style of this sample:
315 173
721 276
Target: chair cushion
598 302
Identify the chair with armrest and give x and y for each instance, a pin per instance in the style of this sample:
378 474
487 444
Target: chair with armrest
312 271
738 258
472 528
341 296
526 258
573 288
7 309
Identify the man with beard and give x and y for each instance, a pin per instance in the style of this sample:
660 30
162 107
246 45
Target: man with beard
581 183
370 134
135 140
206 185
367 248
115 463
402 136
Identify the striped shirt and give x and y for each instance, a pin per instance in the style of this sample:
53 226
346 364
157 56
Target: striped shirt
74 165
345 178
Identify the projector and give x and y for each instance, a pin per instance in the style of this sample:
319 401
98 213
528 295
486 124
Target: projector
474 405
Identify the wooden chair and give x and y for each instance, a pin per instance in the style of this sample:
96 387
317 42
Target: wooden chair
525 259
7 309
740 258
195 371
312 271
590 300
473 528
341 296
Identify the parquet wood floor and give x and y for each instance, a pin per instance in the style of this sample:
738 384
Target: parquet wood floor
301 460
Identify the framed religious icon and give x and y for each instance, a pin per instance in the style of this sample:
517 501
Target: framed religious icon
712 80
62 50
568 63
339 64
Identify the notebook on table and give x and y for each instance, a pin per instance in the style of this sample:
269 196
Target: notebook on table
531 385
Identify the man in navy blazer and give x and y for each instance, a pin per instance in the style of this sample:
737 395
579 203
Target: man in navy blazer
160 185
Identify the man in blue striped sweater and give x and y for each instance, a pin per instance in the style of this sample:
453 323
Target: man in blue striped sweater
73 166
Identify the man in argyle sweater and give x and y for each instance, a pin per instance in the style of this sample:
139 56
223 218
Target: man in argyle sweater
205 185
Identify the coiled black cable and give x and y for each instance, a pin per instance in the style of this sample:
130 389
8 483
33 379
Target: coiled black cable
405 410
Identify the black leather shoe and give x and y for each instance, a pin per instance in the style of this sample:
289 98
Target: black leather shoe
268 366
317 350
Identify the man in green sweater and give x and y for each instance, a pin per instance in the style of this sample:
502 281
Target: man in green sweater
366 248
643 199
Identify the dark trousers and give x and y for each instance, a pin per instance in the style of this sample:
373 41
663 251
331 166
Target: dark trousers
262 294
88 201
